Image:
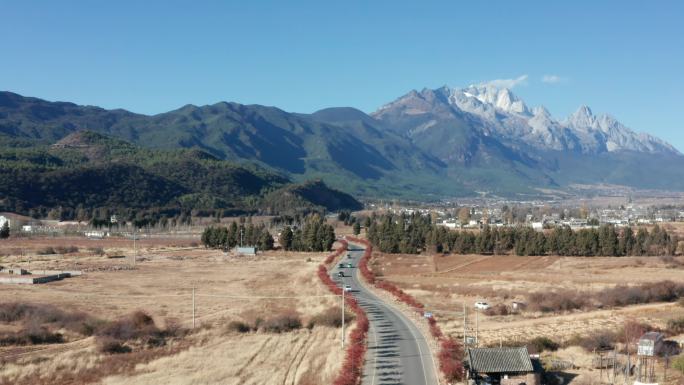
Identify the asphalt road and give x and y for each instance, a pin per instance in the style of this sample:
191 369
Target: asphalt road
397 351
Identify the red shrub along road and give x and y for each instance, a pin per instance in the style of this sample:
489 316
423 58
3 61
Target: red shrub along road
352 368
450 355
330 258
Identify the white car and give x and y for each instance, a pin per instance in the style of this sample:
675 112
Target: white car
347 288
482 305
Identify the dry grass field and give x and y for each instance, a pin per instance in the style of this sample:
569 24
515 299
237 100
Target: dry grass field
445 283
228 288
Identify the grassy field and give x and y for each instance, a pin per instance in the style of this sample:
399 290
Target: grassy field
227 288
444 283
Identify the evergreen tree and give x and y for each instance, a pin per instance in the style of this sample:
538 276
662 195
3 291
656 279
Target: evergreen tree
265 241
626 243
356 228
367 223
286 238
5 230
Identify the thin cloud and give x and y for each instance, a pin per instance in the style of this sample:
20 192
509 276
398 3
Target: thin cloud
552 79
507 83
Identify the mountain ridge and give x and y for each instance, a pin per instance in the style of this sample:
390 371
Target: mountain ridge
499 111
426 144
90 171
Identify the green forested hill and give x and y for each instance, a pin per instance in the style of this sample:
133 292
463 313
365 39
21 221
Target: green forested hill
419 149
353 156
88 171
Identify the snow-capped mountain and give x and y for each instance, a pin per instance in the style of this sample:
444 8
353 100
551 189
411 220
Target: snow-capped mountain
499 113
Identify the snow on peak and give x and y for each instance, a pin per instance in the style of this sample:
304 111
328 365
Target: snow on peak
582 119
541 111
501 98
498 111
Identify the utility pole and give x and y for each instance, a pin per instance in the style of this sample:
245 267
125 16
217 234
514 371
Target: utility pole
614 365
343 318
477 329
667 363
629 366
242 231
193 307
465 330
135 249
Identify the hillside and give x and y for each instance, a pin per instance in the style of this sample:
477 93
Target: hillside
425 145
356 158
90 171
491 136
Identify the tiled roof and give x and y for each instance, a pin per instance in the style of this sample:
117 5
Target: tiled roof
500 360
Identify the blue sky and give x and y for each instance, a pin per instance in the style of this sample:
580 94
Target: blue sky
621 57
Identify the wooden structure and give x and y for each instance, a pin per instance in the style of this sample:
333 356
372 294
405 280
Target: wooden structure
649 347
502 366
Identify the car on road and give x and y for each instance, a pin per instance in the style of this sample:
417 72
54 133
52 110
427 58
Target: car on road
340 274
349 265
342 265
349 255
347 288
481 305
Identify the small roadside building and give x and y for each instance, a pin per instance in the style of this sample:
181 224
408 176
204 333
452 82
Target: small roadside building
246 250
503 366
650 344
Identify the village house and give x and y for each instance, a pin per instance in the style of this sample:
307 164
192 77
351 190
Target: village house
504 366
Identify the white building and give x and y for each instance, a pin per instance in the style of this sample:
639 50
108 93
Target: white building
95 234
3 220
450 224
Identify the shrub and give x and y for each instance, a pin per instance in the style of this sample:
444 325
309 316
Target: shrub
136 325
632 330
599 340
174 328
46 251
331 317
282 323
97 251
110 345
678 364
675 326
665 291
33 334
450 357
559 301
499 309
350 373
66 249
434 328
77 322
238 327
400 294
330 258
540 344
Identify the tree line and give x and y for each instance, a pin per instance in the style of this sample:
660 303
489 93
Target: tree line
416 233
314 235
228 237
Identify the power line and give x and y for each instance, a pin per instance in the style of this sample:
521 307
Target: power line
266 297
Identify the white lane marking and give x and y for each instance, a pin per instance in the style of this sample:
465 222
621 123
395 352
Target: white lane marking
375 335
375 360
409 325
